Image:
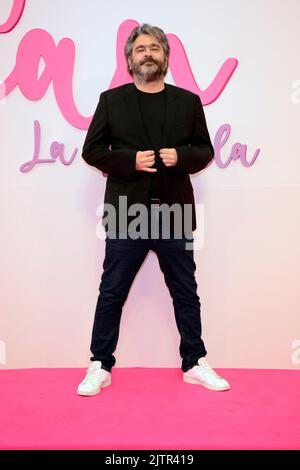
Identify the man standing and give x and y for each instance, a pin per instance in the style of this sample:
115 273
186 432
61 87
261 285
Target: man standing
147 137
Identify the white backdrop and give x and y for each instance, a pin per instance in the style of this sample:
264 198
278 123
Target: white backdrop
248 267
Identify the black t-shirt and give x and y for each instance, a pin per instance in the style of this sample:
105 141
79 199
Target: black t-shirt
153 107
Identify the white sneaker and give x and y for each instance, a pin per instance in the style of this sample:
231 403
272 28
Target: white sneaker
95 379
204 375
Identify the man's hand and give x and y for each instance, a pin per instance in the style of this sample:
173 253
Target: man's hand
168 156
144 160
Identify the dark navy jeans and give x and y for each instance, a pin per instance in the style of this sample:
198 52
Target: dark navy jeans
123 259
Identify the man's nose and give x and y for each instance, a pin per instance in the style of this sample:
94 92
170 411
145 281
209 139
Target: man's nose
148 50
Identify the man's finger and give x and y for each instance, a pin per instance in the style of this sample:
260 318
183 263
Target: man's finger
169 162
150 170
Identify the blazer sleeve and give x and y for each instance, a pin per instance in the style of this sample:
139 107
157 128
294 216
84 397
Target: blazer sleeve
199 153
96 148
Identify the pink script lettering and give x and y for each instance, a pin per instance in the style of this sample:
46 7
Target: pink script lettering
14 17
238 150
38 42
57 150
59 66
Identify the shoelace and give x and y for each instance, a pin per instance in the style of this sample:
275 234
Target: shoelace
92 375
208 369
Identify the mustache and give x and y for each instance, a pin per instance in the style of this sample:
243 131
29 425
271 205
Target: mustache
148 60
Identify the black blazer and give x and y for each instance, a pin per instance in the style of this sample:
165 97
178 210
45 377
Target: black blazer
116 134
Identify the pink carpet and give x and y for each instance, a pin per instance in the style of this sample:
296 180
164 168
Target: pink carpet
149 409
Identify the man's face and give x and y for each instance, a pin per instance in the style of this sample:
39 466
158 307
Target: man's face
148 60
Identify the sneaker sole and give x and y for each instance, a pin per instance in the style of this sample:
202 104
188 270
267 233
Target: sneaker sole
91 394
190 380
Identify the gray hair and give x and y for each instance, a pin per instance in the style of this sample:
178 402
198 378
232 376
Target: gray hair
146 28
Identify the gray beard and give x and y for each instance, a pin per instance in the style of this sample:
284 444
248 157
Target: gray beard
150 75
